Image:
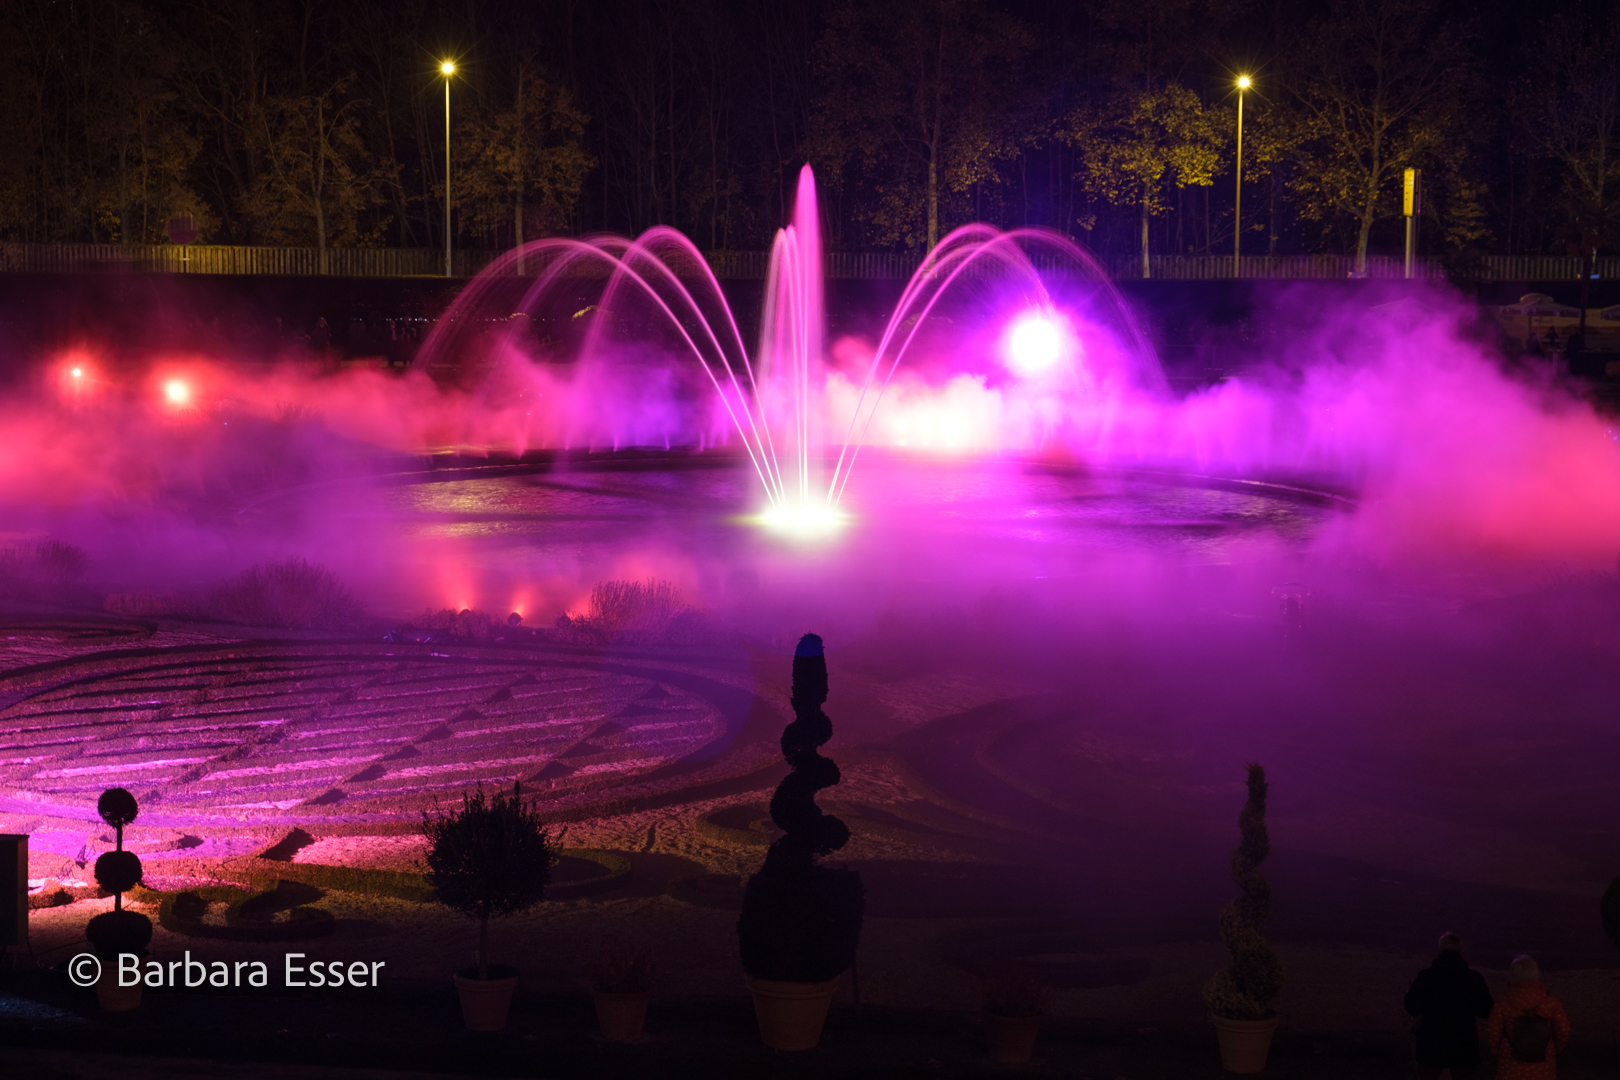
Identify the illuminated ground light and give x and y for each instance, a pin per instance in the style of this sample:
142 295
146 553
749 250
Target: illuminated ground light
1034 344
802 522
177 392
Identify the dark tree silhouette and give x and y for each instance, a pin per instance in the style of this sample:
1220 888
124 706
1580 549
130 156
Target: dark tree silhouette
490 858
117 871
801 922
1245 988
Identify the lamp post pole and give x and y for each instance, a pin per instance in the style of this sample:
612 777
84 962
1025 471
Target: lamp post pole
449 69
1412 199
1237 211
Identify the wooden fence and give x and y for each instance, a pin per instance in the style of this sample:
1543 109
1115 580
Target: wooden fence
1285 267
745 265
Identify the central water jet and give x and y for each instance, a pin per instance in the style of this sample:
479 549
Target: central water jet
658 292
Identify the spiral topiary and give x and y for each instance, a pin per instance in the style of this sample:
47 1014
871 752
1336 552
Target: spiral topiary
1245 988
801 922
118 931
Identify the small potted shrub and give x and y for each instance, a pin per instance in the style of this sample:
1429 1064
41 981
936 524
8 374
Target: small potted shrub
1013 1009
1240 995
488 859
801 922
622 987
117 932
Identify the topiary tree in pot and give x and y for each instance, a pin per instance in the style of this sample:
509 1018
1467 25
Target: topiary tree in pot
1240 995
801 921
118 932
489 859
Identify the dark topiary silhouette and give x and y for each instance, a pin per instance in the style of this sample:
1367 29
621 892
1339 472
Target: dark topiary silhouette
1245 988
490 858
1611 911
801 922
118 931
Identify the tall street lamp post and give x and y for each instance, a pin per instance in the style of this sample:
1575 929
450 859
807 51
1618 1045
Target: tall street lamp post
449 69
1237 220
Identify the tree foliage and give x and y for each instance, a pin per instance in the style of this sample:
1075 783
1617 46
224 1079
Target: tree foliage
316 175
1570 112
321 123
526 154
1141 143
1381 87
914 108
489 859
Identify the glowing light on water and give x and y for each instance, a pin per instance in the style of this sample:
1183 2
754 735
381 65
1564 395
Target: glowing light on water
1034 345
802 521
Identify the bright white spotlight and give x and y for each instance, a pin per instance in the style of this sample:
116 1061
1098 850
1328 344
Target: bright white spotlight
177 392
1034 345
802 522
78 373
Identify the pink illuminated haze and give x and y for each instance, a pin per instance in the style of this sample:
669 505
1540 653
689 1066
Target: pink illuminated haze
1004 345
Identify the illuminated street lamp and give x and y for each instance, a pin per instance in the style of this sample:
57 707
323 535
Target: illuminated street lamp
449 69
1237 222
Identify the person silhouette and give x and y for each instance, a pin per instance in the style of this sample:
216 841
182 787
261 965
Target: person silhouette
1527 1027
1448 998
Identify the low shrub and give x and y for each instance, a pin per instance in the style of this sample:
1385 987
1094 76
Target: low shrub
145 605
290 595
623 970
642 613
39 565
466 623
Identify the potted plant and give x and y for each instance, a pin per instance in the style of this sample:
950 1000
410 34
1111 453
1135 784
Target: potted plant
117 932
622 988
1013 1009
1239 997
488 859
801 922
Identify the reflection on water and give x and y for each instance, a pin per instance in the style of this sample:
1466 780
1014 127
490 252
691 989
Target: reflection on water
1044 508
535 540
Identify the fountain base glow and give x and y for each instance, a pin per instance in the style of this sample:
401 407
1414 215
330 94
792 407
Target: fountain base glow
802 523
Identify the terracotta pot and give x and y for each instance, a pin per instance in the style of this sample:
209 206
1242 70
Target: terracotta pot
791 1014
621 1015
1245 1043
115 998
485 1003
1011 1038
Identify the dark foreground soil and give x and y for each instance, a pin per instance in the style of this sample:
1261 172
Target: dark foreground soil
49 1030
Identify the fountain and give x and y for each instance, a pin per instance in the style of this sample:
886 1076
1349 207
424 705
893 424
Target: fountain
1071 359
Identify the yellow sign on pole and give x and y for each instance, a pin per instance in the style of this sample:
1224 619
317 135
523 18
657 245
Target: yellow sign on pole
1414 193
